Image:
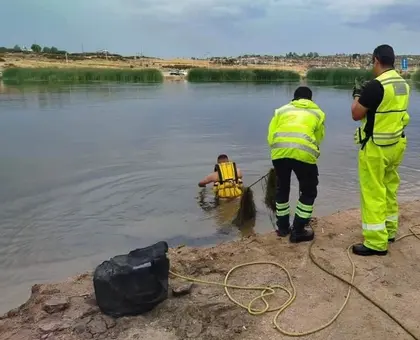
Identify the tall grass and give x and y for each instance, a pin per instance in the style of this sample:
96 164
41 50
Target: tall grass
338 76
203 75
416 76
81 75
406 75
416 79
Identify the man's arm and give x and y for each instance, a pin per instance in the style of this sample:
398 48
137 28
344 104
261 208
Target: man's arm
358 111
406 117
370 98
208 179
239 172
320 132
406 120
271 129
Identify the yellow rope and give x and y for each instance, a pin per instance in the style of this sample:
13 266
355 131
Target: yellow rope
270 290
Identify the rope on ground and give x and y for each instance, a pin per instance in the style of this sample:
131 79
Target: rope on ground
271 290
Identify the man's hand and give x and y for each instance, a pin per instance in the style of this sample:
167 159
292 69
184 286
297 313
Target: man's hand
358 88
213 177
357 91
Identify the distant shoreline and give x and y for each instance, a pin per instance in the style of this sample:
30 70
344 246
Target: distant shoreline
84 75
297 63
25 60
287 69
119 63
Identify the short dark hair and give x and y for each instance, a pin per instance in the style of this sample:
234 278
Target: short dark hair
302 92
385 55
221 157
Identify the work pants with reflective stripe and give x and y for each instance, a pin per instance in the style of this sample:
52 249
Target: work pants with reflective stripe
379 183
307 175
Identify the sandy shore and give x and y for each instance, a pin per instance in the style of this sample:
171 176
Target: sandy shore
68 311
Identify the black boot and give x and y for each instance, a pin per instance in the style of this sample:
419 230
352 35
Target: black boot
360 249
283 226
282 230
301 234
391 240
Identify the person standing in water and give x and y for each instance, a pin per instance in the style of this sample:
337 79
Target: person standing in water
226 179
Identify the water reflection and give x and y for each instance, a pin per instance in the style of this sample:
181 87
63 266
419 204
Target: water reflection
52 96
326 84
223 212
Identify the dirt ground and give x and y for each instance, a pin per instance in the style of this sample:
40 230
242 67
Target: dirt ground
67 310
38 61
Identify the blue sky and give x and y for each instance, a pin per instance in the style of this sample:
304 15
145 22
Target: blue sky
198 28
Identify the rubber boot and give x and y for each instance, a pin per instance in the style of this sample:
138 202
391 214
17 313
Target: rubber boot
282 229
301 234
282 232
283 226
361 250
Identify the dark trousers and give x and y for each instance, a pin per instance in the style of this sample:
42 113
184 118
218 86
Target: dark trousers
307 175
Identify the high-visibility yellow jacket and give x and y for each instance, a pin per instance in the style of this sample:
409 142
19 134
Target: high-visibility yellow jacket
296 131
386 125
229 184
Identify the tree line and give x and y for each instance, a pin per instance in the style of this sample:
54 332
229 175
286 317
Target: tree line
34 48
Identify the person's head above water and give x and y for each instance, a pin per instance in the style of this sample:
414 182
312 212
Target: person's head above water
383 58
302 92
222 158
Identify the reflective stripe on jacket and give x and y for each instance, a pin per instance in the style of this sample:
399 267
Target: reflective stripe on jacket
296 131
391 117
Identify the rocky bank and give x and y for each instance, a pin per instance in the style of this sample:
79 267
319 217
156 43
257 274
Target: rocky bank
68 311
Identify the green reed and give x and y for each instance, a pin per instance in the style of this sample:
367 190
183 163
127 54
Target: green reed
203 75
416 76
82 75
338 76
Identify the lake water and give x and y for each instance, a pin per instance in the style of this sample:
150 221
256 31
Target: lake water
89 172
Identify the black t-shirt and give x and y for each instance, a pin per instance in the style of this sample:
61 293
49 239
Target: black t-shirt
371 97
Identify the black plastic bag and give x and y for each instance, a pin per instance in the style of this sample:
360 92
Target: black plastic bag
133 284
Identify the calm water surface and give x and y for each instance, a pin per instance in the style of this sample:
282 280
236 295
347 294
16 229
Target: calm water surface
88 172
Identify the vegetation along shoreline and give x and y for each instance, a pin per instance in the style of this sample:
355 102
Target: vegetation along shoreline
329 76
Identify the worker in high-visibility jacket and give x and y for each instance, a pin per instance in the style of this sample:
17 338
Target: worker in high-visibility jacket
226 179
295 133
381 105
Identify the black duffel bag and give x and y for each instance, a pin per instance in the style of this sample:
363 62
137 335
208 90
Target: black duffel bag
133 284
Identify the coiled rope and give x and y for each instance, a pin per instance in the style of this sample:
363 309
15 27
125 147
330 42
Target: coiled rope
271 290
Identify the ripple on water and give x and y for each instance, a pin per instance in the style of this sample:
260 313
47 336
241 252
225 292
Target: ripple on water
90 172
71 212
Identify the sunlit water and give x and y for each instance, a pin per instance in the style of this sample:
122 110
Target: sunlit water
88 172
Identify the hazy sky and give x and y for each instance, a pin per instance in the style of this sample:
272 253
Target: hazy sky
187 28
